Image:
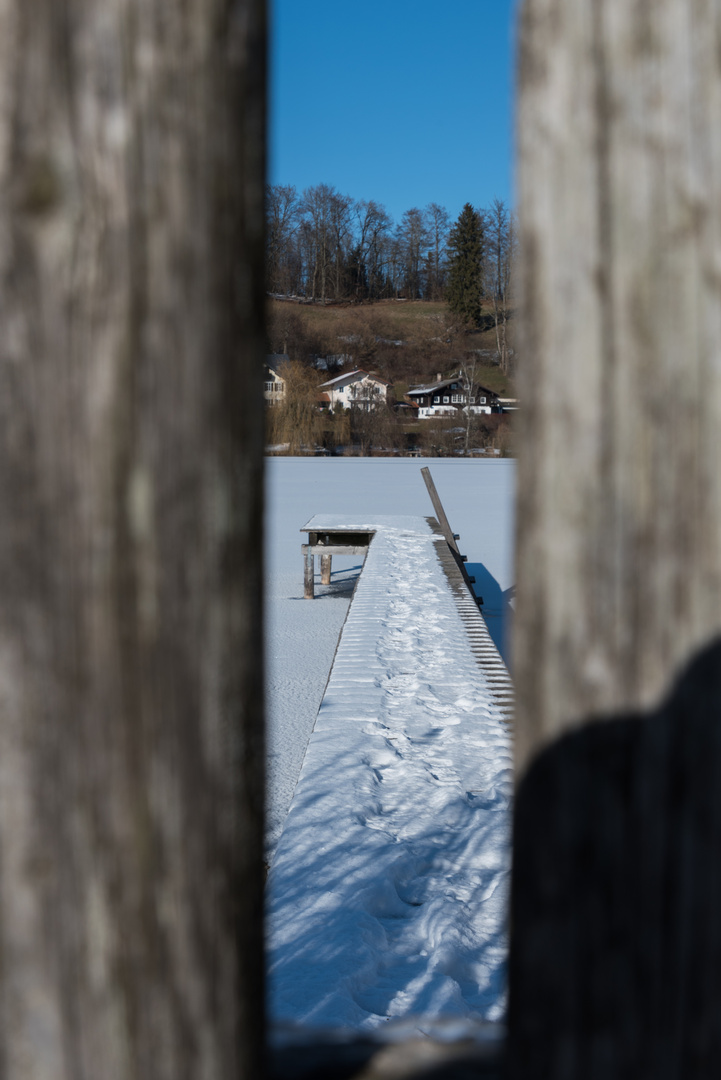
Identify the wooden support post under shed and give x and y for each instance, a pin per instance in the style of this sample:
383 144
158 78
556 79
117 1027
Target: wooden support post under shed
309 575
325 564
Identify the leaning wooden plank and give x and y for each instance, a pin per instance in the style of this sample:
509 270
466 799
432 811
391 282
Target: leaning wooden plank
438 507
448 533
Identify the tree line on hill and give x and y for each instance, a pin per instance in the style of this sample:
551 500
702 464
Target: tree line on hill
327 246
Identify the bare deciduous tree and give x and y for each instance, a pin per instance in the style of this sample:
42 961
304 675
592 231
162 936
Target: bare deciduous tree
412 238
372 421
296 423
467 375
438 225
501 233
281 208
373 224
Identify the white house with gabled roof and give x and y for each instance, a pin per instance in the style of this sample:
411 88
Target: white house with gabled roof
356 389
273 381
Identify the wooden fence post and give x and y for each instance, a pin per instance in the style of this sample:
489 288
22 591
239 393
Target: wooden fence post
131 345
616 917
619 518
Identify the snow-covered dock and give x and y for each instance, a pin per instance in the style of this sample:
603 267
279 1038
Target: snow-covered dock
388 890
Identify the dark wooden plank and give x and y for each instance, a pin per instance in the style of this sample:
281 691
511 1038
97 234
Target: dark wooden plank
358 537
440 512
338 549
342 1058
448 533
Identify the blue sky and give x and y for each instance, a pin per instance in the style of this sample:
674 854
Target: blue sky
402 101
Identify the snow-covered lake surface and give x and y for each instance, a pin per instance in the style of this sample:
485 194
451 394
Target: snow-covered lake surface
390 881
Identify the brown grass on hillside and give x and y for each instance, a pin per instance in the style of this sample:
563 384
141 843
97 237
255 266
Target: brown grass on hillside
433 340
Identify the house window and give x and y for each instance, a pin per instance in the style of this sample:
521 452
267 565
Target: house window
436 400
454 386
445 400
270 386
471 400
481 401
455 398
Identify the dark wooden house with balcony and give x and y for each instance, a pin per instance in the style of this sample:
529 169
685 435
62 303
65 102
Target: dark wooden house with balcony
448 395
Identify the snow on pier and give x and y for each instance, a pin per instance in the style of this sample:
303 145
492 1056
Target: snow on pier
388 891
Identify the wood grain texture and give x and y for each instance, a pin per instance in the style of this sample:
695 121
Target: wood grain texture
131 210
619 520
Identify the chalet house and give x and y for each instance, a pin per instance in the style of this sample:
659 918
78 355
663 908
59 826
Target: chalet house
356 389
448 396
273 382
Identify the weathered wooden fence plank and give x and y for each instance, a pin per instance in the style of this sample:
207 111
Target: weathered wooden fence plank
131 345
616 916
619 521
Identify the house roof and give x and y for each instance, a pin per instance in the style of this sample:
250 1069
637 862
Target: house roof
275 372
354 376
434 388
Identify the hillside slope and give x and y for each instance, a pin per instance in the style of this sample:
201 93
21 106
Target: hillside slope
406 342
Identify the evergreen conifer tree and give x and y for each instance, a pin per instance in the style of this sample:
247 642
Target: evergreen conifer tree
465 260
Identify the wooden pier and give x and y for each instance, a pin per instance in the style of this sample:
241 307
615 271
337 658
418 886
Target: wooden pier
411 755
330 535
